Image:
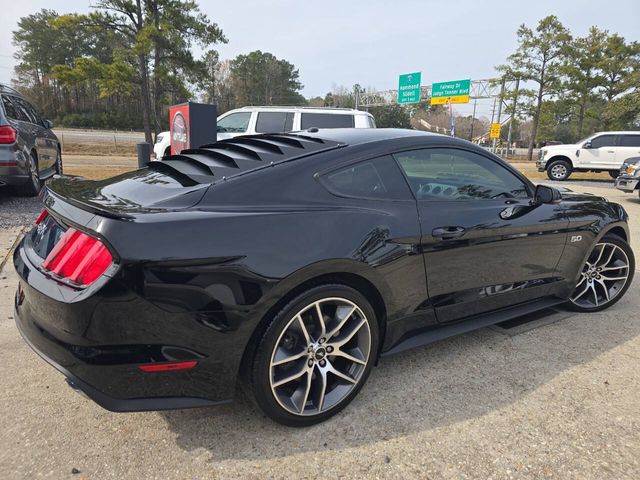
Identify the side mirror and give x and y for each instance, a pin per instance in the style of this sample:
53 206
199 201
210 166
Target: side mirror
48 124
586 145
545 194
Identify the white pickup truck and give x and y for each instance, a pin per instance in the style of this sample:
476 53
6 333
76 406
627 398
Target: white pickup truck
601 152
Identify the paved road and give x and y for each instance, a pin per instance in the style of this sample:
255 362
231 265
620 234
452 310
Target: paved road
557 401
97 136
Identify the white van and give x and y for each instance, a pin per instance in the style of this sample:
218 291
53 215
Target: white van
252 120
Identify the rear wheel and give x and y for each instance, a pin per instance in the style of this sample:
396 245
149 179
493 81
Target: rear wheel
559 170
59 163
605 276
32 187
315 355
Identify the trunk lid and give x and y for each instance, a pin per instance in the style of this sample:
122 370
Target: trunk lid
124 196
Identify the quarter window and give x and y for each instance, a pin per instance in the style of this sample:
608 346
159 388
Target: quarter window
603 141
235 122
326 120
630 141
376 178
9 108
453 174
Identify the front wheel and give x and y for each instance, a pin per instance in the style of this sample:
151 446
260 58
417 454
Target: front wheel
315 355
614 174
605 276
559 170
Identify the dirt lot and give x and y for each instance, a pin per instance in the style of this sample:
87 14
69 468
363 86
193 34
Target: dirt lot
555 399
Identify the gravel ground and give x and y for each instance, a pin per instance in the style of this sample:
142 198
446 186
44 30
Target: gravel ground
557 401
17 211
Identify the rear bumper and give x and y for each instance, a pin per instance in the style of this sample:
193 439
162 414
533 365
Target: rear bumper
12 180
13 168
111 403
626 183
99 342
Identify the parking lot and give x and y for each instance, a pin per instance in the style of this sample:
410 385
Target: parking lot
555 398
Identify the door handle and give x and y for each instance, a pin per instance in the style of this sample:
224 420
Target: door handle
611 151
448 233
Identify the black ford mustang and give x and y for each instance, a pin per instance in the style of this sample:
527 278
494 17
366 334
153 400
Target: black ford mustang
291 262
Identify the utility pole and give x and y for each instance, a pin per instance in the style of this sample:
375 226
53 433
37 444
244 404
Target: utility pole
513 114
493 111
495 140
473 118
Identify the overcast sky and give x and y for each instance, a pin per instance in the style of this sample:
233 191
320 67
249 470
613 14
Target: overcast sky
371 42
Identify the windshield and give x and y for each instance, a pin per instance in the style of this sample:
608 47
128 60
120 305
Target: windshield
579 142
235 122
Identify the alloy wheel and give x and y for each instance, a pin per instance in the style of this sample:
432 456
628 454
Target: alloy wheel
320 356
559 171
603 276
34 174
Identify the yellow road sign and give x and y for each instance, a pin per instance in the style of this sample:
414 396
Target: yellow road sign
494 132
445 100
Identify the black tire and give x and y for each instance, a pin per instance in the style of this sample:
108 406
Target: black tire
559 170
260 372
620 290
59 168
614 174
167 152
32 187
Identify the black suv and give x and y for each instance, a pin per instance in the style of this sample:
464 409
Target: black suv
29 151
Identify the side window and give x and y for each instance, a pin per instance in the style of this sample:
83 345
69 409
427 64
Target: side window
630 141
271 122
375 178
33 113
326 120
453 174
603 141
22 113
235 122
9 108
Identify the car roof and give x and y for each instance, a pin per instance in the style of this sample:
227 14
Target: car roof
7 89
619 132
292 108
358 136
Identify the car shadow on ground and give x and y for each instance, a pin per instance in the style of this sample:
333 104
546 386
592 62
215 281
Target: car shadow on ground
438 385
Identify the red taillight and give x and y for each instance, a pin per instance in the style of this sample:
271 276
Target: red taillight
8 134
166 367
41 217
77 257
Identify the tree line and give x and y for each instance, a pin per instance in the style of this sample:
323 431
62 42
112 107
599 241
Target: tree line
124 63
574 86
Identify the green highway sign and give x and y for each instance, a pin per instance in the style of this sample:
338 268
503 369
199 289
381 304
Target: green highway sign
456 92
409 88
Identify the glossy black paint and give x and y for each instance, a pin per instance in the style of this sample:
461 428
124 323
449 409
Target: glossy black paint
201 268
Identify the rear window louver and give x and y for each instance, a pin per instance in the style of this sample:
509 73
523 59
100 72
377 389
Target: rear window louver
226 158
